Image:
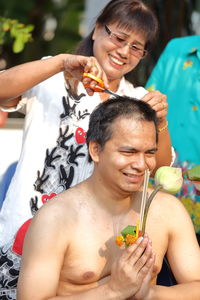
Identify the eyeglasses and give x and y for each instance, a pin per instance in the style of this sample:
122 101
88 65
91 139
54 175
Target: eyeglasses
121 42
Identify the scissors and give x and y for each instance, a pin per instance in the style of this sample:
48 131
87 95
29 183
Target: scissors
100 87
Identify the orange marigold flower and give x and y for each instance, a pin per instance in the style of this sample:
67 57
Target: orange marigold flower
130 239
119 240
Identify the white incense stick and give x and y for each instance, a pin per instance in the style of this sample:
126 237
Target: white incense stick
144 197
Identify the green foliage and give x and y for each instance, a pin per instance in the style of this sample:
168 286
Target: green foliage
19 33
63 38
194 173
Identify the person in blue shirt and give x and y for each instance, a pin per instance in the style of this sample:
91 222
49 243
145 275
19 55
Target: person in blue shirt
177 74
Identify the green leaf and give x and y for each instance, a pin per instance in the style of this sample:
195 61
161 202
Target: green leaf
28 28
130 229
6 25
13 30
18 44
194 173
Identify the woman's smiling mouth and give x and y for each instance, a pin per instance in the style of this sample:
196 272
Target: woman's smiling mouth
116 61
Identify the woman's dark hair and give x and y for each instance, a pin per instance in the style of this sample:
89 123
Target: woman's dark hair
130 14
102 118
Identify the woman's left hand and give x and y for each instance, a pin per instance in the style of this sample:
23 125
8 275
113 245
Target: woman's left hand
158 102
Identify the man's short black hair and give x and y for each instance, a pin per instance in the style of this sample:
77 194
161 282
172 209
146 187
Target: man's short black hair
102 118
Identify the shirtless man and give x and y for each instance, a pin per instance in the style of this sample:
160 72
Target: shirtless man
69 250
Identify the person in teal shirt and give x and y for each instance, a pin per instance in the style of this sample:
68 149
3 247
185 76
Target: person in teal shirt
177 74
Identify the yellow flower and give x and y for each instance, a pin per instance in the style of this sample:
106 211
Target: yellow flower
198 206
130 239
119 240
151 88
187 64
189 204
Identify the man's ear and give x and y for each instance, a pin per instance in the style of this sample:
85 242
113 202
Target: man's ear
94 149
96 31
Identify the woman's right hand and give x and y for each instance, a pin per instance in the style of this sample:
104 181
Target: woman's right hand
76 65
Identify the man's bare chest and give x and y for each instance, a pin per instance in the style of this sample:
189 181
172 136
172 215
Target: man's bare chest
89 258
92 250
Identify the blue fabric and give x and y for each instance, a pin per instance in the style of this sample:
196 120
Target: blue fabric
177 74
5 182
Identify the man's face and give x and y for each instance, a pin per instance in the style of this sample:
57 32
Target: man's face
129 152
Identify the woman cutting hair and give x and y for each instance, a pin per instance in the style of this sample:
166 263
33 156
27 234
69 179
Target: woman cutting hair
52 94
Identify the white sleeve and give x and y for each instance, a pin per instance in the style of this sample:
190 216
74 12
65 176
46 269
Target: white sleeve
19 107
173 156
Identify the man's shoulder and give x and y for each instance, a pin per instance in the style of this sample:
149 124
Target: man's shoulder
62 211
69 200
165 210
64 199
167 203
73 192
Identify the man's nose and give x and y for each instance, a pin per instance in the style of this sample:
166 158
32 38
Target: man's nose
140 163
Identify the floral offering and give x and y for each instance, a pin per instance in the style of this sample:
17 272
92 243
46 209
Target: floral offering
167 179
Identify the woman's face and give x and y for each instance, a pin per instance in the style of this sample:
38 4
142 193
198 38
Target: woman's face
114 48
